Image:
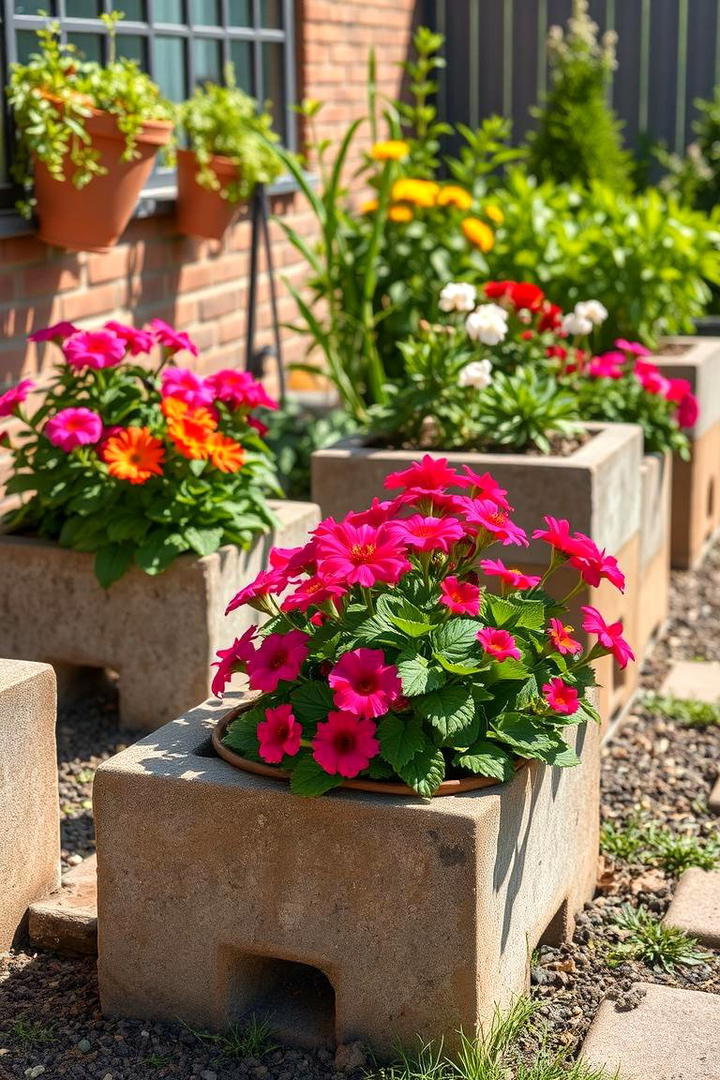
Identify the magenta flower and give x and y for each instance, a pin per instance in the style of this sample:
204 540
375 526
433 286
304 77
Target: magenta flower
651 379
345 744
557 534
172 340
136 341
313 592
56 333
483 486
461 597
239 390
513 578
594 565
94 349
279 658
267 582
494 522
559 635
561 698
15 396
429 475
378 513
428 533
232 660
363 684
359 555
278 734
498 644
688 411
608 366
632 347
185 385
257 425
609 635
74 427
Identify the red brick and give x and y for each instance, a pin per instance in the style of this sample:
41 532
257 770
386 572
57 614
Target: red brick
111 266
22 249
100 300
51 278
219 303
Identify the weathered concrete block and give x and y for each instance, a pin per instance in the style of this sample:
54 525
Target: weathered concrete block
351 916
159 633
695 907
29 810
697 680
598 488
653 592
696 483
66 920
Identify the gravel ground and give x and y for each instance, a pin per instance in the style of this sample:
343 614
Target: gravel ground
50 1023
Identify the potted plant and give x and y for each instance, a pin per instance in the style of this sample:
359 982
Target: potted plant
229 152
129 466
389 659
87 137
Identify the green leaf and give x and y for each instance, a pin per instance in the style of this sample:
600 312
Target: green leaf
510 669
111 562
534 739
456 641
449 709
485 758
203 541
531 614
424 772
312 701
411 620
156 554
501 610
401 739
241 734
307 778
417 677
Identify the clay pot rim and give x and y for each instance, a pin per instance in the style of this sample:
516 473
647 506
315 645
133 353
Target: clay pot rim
375 787
102 122
218 162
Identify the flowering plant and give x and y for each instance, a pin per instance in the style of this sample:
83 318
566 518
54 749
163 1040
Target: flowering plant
388 653
138 462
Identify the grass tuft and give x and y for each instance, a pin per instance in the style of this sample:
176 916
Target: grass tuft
649 939
644 842
685 711
251 1039
31 1032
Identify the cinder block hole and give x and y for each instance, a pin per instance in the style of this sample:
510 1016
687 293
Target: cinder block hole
205 749
710 499
76 682
298 1000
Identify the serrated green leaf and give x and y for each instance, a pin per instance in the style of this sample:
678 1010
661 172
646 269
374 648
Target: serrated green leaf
449 709
418 677
312 701
485 758
533 738
424 772
241 734
400 739
501 610
307 778
456 641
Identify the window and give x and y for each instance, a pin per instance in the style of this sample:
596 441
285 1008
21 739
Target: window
181 43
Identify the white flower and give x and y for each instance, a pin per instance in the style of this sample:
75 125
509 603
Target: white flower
488 324
458 296
576 324
593 310
477 373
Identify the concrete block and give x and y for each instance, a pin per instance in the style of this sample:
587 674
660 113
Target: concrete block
29 810
695 907
653 591
696 483
349 917
159 633
693 679
66 921
671 1035
714 800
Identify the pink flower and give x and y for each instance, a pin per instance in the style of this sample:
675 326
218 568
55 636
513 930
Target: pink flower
483 486
94 349
430 474
345 744
364 684
257 425
239 390
294 561
428 533
515 579
650 378
137 341
632 347
279 658
313 592
608 366
172 340
267 582
498 643
376 514
560 637
56 333
494 522
608 635
278 734
461 597
232 660
557 534
560 697
688 411
594 565
359 555
74 427
185 385
15 396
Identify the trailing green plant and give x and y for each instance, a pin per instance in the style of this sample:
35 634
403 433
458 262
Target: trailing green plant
578 137
686 711
649 939
294 432
224 121
54 94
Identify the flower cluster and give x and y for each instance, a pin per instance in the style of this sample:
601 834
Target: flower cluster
139 462
396 648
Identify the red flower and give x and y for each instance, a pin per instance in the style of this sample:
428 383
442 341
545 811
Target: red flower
688 411
608 635
526 295
498 643
560 637
560 697
345 744
550 317
428 533
278 659
461 597
429 475
363 684
515 579
232 660
278 734
359 555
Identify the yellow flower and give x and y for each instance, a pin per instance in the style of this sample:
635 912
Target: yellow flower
454 195
494 213
400 213
478 233
417 192
369 206
391 150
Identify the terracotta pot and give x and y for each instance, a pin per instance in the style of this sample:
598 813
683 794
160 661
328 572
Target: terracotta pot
93 218
377 787
201 212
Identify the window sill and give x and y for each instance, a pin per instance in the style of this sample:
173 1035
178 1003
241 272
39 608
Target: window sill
159 200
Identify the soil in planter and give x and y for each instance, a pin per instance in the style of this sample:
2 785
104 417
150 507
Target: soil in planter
560 446
674 348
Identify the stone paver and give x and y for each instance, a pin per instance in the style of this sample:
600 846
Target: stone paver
671 1035
698 679
696 906
714 800
66 921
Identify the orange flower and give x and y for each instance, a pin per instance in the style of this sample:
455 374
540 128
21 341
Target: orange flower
400 213
225 454
391 150
190 431
454 195
133 454
494 213
478 233
369 206
418 192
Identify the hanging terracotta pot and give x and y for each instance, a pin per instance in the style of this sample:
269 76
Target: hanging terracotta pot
201 212
93 218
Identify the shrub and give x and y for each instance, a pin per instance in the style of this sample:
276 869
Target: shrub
138 463
696 177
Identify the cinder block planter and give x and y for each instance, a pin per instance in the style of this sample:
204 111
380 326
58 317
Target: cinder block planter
159 634
653 595
696 483
29 811
597 488
351 916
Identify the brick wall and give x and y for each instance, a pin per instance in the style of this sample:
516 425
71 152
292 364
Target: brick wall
201 286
